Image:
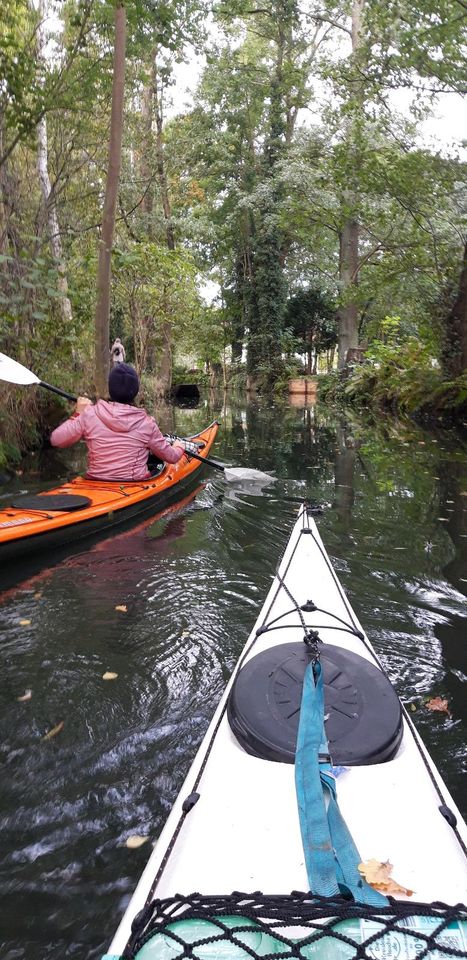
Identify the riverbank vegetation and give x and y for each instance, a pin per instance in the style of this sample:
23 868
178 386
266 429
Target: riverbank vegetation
275 215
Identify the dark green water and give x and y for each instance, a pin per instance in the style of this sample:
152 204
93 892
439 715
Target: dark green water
394 523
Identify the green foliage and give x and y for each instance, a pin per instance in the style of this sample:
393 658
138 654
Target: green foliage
400 377
154 287
311 315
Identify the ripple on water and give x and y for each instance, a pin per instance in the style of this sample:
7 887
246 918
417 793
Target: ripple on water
192 583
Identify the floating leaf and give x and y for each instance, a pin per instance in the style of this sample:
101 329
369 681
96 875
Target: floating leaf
184 635
53 732
438 703
37 595
108 675
136 841
122 608
377 874
24 623
26 696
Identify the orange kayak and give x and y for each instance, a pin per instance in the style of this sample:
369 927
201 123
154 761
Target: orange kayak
82 507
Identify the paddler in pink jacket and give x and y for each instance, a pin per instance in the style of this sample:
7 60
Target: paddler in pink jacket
119 436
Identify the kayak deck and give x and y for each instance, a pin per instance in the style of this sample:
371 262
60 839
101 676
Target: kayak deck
235 825
105 503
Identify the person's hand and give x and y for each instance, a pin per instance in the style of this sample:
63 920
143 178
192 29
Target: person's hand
82 403
186 445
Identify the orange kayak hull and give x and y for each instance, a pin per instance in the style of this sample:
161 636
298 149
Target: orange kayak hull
25 531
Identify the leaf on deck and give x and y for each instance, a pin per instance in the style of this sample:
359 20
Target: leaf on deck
377 874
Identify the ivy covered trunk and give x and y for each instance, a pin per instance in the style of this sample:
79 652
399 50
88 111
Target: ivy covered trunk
455 333
269 291
267 308
349 234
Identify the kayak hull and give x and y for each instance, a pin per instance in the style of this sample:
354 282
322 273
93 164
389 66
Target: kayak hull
235 824
25 532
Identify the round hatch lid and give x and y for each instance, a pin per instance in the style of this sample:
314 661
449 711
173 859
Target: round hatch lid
363 716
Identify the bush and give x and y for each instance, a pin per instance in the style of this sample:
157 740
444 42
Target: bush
397 377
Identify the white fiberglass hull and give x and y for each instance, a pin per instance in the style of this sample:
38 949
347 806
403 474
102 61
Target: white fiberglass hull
243 832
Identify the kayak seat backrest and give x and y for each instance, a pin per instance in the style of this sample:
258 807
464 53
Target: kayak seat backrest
363 714
51 501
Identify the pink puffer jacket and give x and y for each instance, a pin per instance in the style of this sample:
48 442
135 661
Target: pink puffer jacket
119 438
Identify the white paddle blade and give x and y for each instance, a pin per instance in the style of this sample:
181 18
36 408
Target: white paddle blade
248 476
14 372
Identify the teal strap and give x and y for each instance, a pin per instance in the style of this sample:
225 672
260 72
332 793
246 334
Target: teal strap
331 856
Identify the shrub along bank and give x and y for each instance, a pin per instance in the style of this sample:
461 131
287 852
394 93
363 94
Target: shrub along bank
400 379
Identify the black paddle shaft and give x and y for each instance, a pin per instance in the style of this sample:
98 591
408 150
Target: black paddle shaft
61 393
211 463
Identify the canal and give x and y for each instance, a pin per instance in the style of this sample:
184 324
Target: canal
191 582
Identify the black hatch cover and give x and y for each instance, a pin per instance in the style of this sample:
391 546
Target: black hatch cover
363 717
51 501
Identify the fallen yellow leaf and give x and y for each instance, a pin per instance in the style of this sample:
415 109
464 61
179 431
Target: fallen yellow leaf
377 874
26 696
53 732
438 703
24 623
122 608
134 842
108 675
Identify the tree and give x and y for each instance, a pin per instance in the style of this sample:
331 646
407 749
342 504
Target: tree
311 315
454 353
110 204
48 195
156 290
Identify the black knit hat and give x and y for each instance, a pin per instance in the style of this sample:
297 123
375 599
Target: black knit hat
123 383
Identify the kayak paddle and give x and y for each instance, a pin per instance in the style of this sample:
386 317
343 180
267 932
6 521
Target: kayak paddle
14 372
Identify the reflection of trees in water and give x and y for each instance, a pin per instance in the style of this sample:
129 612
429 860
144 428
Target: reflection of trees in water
344 472
453 484
449 752
289 441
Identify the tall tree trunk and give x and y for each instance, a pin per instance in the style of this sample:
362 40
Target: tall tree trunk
348 272
11 245
348 240
455 336
48 196
268 294
164 378
146 154
3 192
110 203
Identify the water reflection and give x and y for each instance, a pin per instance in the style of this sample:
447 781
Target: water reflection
192 581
